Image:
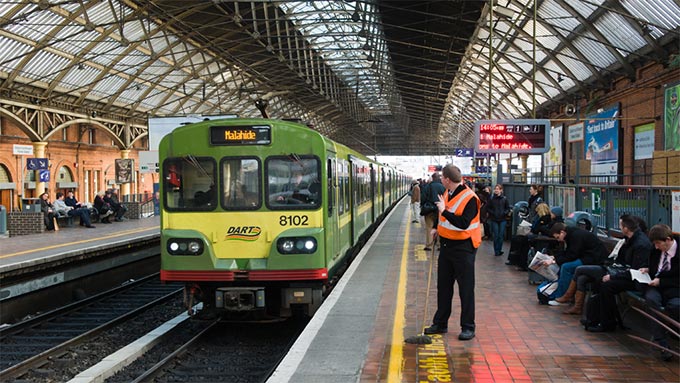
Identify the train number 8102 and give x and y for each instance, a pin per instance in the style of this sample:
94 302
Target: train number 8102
293 220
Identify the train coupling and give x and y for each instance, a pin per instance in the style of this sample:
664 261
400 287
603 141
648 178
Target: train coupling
240 298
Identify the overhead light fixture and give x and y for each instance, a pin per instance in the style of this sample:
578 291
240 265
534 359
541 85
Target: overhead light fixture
366 47
369 57
560 78
81 66
362 33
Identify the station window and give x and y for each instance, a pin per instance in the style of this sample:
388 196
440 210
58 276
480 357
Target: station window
189 183
293 182
241 180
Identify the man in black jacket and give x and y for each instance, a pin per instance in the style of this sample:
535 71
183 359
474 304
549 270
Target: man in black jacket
664 289
118 209
583 248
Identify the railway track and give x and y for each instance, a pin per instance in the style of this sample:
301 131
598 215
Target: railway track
40 344
217 351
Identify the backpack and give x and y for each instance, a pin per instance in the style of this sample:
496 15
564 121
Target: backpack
427 205
592 311
410 191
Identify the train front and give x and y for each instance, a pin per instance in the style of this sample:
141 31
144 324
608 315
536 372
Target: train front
242 217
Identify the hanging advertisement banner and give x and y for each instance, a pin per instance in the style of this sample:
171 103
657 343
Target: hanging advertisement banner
602 142
671 119
553 159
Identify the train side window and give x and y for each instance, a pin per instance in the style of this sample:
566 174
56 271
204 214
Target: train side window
189 183
330 174
293 182
241 180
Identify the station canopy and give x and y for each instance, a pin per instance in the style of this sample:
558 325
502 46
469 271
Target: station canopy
384 77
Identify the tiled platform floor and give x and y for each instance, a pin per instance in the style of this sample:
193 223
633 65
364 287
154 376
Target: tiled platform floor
516 340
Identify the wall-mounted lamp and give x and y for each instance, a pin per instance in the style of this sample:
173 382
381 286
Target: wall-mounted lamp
93 114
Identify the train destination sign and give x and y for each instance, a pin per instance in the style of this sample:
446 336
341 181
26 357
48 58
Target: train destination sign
526 136
240 135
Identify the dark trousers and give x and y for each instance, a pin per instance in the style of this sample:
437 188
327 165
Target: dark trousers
455 265
608 291
589 274
84 215
656 298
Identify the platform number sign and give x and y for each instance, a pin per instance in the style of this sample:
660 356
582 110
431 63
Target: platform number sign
463 152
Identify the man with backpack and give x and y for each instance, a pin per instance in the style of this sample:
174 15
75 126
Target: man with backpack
428 208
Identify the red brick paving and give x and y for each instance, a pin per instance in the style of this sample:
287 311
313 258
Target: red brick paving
516 340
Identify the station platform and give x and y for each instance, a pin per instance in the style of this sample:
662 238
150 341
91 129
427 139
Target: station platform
50 247
389 294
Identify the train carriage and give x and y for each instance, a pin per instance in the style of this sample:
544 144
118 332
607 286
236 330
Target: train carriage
260 216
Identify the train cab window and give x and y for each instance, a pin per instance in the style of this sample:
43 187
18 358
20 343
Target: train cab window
241 180
189 183
293 182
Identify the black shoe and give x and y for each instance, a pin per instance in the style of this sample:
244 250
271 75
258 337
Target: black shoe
107 221
90 227
435 329
466 335
509 263
427 249
501 253
601 328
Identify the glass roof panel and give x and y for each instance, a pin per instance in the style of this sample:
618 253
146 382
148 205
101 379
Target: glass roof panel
594 51
616 29
44 66
11 53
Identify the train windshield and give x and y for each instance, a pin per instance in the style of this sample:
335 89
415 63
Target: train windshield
293 182
241 180
189 183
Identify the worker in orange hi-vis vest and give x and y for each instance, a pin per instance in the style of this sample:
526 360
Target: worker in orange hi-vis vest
459 230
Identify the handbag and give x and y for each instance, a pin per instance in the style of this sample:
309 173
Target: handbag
617 270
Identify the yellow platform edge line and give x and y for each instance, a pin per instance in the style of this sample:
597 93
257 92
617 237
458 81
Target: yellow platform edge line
395 368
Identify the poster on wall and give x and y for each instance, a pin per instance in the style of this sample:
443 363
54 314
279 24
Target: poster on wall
644 141
553 159
124 168
672 117
602 142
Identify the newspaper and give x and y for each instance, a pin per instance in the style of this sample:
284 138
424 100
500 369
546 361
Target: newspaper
615 250
636 275
549 272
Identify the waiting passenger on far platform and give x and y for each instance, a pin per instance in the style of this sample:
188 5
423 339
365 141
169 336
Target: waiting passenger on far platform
460 234
118 209
498 209
633 254
430 193
415 201
582 248
534 199
84 214
49 214
103 209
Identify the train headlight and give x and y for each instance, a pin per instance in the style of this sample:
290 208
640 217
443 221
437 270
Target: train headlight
297 245
194 247
185 246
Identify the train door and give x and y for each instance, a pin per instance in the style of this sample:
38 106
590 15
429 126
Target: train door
383 186
332 208
353 199
374 193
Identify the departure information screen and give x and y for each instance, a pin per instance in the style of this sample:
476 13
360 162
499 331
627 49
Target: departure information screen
529 136
240 135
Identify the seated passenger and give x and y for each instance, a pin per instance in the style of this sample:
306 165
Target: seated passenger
519 244
49 215
582 248
103 209
62 208
634 254
71 200
118 209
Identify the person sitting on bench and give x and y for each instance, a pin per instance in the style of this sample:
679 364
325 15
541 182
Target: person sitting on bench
62 208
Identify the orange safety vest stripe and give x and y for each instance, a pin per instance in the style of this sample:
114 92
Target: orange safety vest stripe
457 205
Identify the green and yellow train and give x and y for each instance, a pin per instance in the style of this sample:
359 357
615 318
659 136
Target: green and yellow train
260 216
